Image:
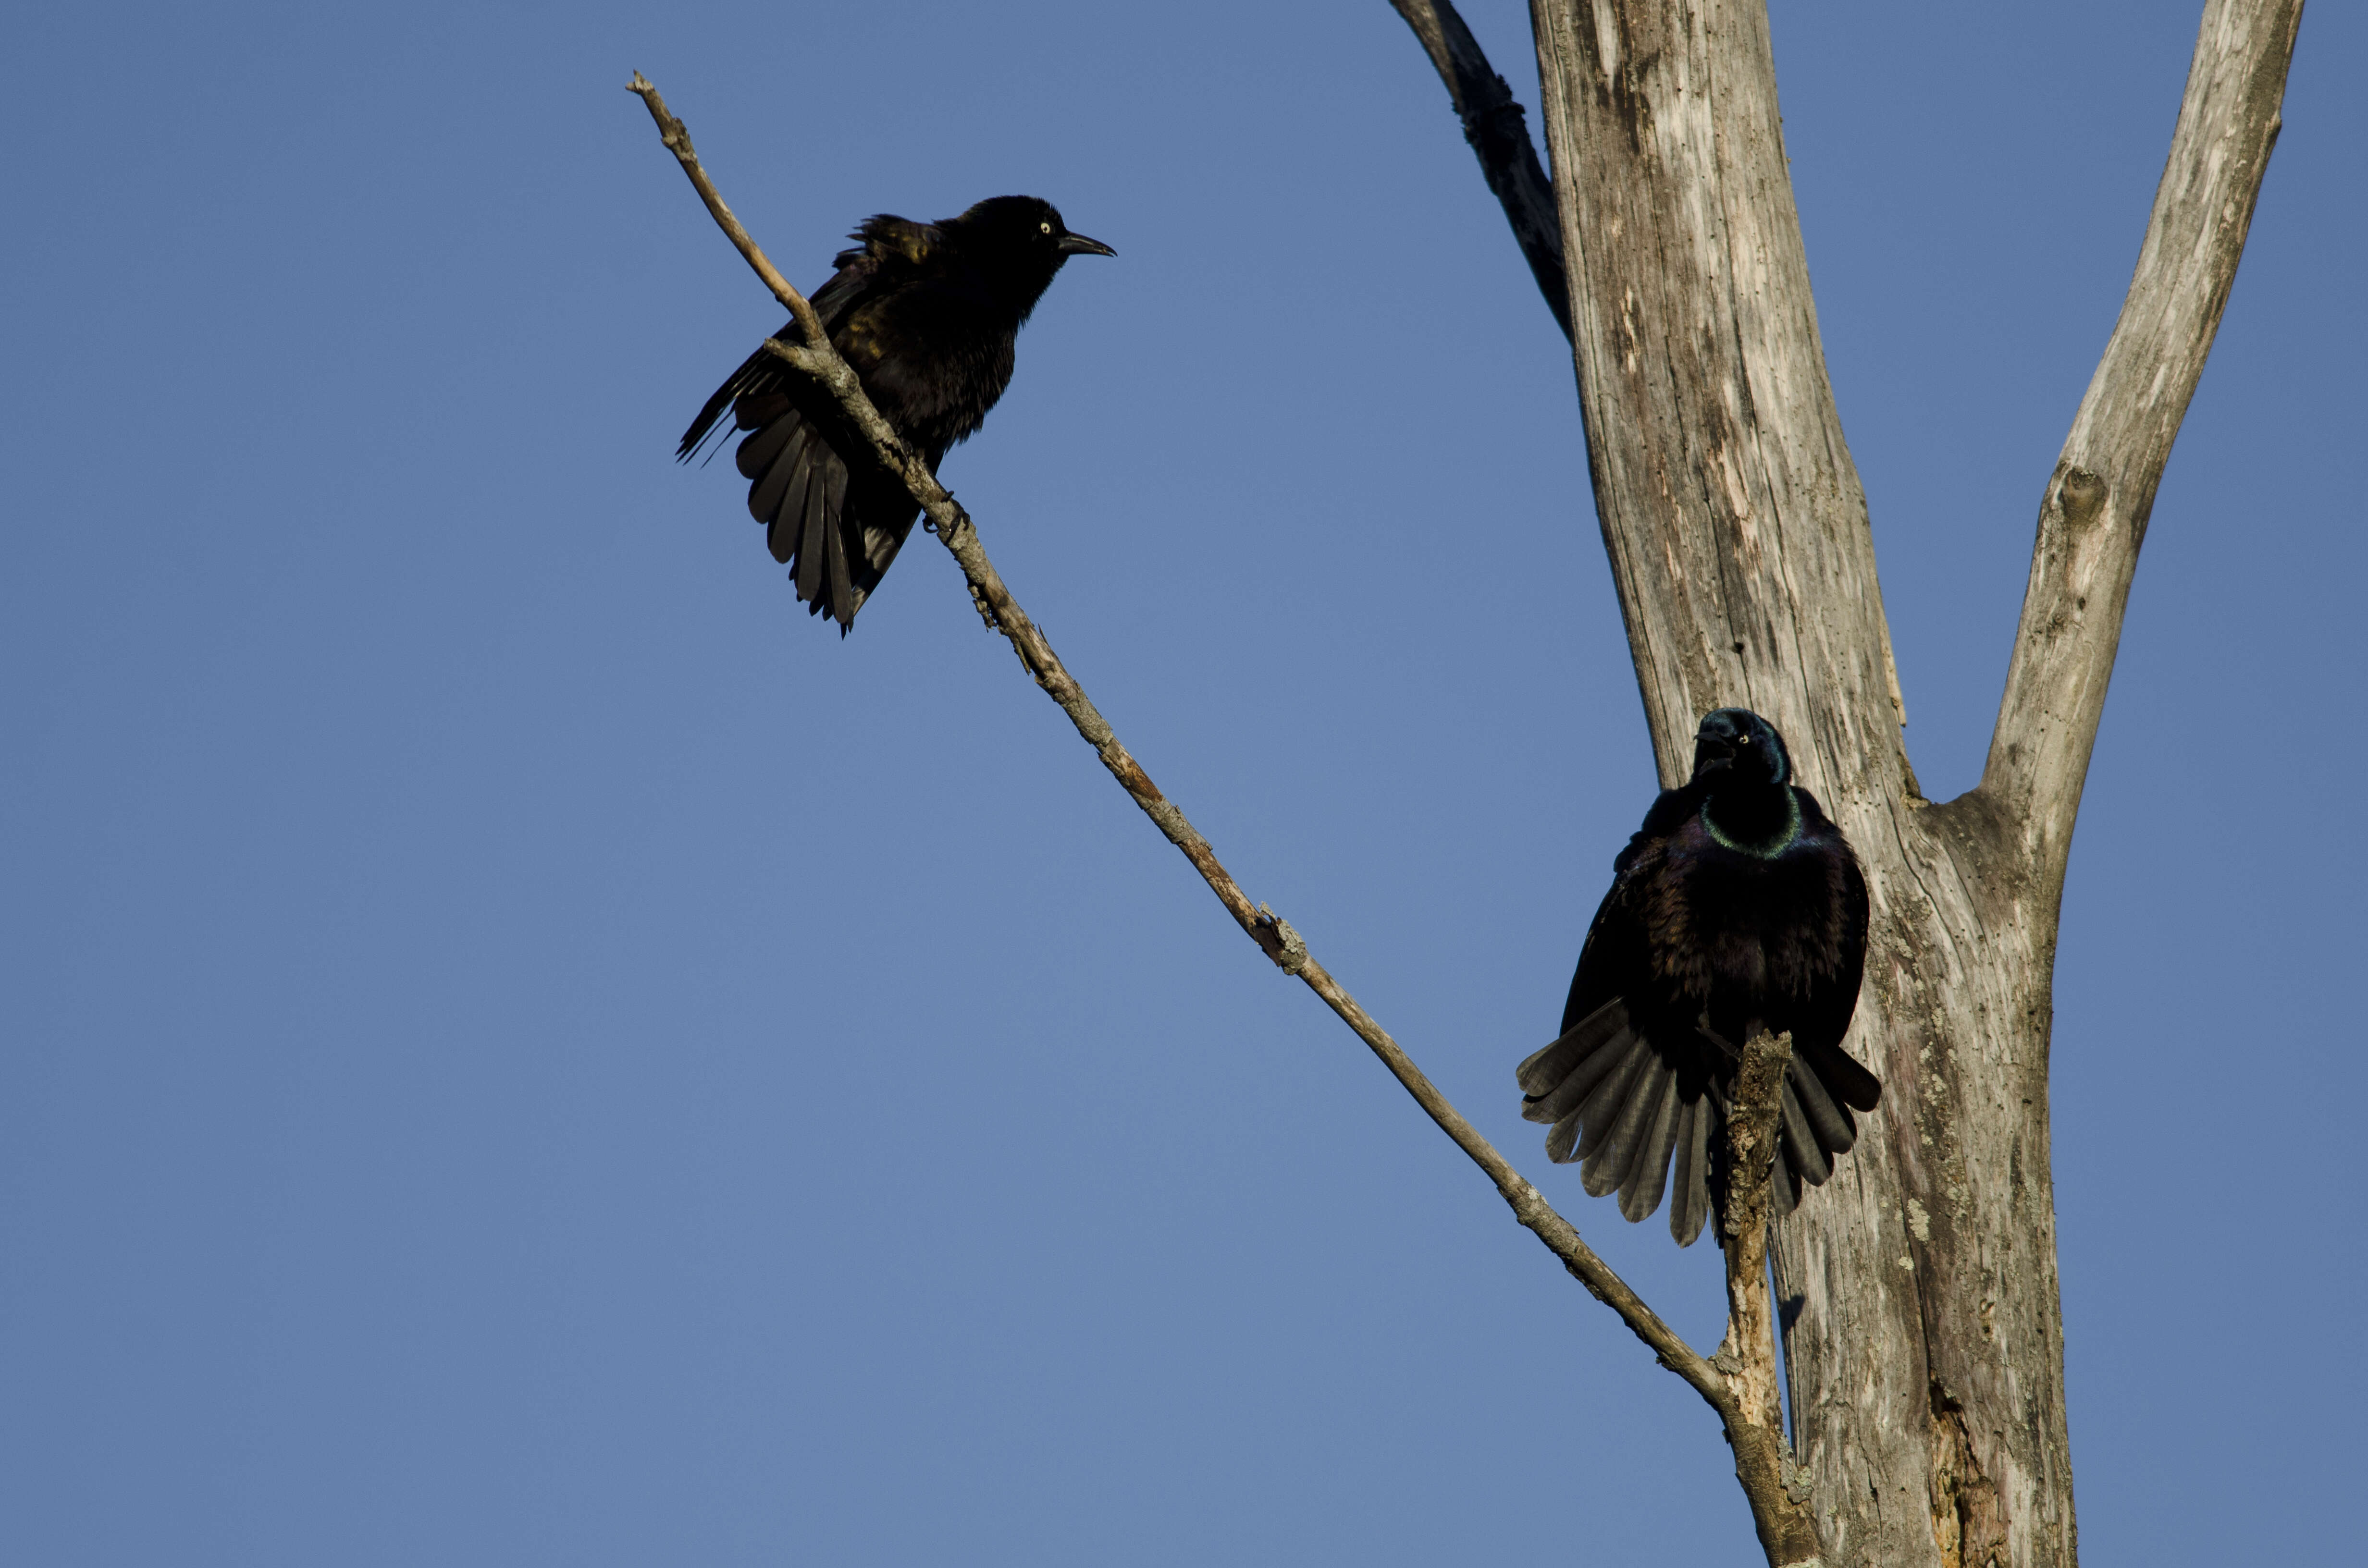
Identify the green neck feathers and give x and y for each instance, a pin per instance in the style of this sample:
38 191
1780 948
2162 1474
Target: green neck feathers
1760 823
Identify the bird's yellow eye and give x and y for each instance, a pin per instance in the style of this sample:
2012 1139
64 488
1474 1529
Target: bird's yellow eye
1047 227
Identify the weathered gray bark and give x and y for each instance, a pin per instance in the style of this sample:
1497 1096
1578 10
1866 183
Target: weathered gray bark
1926 1355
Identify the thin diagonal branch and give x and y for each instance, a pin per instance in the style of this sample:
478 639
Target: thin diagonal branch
1273 934
1499 136
677 137
2092 520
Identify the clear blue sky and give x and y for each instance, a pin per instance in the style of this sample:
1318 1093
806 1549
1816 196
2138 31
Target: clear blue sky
521 1048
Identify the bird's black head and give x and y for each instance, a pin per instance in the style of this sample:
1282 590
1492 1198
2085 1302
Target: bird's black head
1021 241
1737 746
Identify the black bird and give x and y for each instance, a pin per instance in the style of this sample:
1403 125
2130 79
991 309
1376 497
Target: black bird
926 314
1738 906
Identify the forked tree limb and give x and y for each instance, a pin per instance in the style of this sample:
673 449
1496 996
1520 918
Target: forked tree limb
2093 516
1273 934
2092 520
1499 135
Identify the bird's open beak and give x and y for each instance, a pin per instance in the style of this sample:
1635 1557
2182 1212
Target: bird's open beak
1077 244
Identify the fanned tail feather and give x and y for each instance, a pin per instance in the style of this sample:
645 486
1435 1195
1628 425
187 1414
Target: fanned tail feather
1835 1131
1645 1128
774 459
1800 1149
1648 1171
1612 1064
804 533
1843 1078
1604 1105
1606 1166
832 529
1784 1183
1542 1070
1689 1205
1560 1076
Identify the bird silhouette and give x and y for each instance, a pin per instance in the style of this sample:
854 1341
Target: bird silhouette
927 315
1738 906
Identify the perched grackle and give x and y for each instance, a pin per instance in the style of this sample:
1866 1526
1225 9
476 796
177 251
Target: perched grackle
1738 906
926 314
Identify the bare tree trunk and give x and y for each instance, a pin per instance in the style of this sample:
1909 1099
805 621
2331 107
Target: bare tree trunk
1925 1343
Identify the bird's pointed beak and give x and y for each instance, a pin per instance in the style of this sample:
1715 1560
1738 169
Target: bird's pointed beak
1077 244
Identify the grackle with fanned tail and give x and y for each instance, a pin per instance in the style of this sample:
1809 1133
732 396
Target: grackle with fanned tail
927 315
1738 906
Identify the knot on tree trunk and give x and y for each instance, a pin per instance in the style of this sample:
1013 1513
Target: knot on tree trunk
2082 495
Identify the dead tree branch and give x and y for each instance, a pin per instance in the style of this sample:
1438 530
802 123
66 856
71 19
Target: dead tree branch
677 137
2092 520
1499 135
1747 1360
1273 934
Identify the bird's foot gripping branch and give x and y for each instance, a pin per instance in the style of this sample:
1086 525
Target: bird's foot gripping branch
1758 1446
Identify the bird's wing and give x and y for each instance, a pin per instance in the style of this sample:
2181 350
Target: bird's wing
1614 1099
1627 1099
1616 948
888 254
1557 1077
1817 1039
1823 1084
